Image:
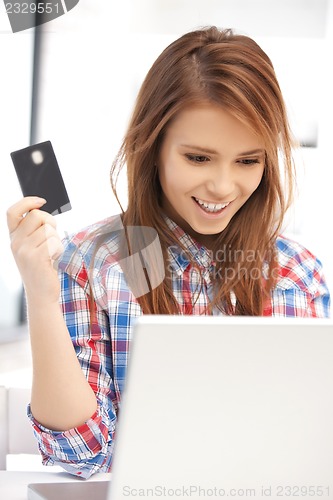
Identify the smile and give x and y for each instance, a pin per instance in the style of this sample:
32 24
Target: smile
211 207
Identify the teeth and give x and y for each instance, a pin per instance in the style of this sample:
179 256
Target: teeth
212 207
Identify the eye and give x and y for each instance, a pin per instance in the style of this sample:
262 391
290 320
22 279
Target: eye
197 158
249 161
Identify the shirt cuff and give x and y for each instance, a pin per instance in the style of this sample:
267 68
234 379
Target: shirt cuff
82 450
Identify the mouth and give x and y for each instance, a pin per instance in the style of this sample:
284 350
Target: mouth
211 208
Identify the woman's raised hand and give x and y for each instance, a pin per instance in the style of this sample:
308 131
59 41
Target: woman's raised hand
35 244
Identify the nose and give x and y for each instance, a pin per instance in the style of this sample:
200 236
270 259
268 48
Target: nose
221 182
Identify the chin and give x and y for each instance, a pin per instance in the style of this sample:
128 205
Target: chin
214 232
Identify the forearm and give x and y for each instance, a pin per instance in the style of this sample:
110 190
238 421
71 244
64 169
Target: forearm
63 377
61 395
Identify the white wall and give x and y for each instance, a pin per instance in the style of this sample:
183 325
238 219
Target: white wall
15 102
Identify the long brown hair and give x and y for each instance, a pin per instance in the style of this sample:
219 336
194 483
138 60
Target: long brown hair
232 71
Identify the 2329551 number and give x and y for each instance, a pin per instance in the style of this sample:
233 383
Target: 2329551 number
32 8
302 491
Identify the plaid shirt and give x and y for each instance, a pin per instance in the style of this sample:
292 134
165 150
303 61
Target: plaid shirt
103 348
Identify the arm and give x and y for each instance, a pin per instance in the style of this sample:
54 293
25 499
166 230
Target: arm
101 336
89 355
61 396
86 448
72 424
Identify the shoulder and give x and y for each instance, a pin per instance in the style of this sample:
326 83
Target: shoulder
111 257
291 249
298 266
93 247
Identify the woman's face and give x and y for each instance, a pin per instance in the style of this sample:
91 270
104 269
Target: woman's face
209 165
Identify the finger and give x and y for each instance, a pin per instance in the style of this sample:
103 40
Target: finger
16 212
36 238
31 223
24 240
51 246
44 244
36 218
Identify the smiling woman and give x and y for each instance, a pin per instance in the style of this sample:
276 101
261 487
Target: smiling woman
204 151
204 176
211 98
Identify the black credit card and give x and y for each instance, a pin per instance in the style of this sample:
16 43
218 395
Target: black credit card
38 173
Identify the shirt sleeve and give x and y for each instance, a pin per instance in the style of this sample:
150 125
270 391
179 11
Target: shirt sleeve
93 325
301 289
319 300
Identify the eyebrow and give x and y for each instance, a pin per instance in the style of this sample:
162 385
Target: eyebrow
213 152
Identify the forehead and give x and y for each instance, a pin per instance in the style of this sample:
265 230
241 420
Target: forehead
211 126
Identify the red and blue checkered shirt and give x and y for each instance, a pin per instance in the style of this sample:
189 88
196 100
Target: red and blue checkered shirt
103 348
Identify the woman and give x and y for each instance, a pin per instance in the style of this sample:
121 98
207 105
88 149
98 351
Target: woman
203 152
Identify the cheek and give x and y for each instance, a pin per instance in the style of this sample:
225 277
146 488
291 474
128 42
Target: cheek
169 182
165 178
172 178
253 182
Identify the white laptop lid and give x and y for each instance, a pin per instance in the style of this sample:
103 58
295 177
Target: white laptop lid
227 406
79 490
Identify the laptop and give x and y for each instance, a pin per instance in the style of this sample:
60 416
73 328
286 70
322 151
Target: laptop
222 406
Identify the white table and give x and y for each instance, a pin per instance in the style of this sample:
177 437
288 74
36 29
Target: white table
13 485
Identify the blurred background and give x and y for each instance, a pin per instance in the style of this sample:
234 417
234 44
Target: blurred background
74 80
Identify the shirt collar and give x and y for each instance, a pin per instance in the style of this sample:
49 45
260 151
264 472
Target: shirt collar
179 260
